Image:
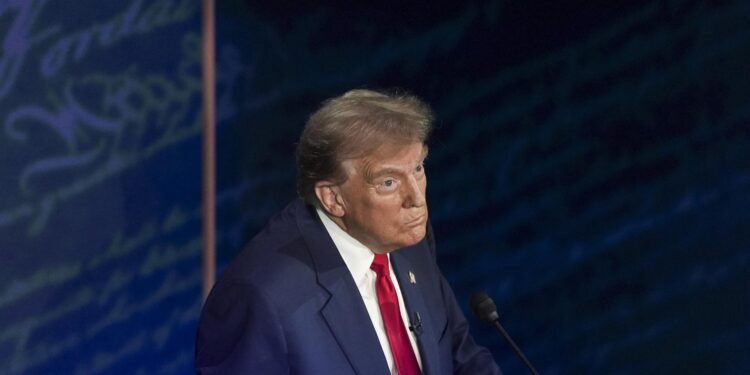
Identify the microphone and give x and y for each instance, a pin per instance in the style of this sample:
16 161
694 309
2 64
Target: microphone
416 325
484 308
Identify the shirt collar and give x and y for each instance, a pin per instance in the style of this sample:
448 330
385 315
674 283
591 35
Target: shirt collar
357 256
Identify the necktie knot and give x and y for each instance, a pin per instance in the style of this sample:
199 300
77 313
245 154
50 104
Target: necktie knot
380 265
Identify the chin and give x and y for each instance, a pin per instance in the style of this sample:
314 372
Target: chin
416 237
410 238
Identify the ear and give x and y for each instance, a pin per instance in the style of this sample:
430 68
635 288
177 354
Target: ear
330 198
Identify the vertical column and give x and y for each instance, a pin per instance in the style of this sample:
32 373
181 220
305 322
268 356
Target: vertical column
208 207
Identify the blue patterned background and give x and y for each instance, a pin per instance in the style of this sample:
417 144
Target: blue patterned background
100 186
590 169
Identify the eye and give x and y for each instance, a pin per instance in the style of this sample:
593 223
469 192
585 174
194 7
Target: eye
388 185
419 171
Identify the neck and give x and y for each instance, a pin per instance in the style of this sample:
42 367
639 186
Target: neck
342 224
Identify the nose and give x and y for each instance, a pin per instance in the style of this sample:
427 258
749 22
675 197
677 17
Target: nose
414 194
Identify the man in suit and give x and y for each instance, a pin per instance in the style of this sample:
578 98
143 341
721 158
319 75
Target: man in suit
344 279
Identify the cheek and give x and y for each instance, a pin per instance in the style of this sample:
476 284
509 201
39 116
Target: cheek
416 234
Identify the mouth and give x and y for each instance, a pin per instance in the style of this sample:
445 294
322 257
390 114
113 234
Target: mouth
420 220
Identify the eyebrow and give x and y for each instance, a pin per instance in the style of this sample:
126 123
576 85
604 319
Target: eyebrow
384 172
369 175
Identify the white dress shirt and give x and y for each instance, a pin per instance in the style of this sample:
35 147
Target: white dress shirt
358 259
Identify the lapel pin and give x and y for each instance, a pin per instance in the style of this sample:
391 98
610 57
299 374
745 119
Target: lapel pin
412 278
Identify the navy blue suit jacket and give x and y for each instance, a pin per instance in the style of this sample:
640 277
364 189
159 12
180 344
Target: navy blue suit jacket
288 305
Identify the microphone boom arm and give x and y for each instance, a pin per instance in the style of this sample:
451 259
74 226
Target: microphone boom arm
513 345
484 308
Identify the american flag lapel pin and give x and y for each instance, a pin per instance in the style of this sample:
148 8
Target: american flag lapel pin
412 278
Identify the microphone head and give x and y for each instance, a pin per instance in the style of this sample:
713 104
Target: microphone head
483 307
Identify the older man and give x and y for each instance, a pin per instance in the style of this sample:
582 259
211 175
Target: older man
344 280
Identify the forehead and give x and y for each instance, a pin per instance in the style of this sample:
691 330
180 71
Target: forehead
397 153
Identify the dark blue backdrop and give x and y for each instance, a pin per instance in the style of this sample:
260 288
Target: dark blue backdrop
99 186
589 169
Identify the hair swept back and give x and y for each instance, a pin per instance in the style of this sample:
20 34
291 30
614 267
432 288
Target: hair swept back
354 125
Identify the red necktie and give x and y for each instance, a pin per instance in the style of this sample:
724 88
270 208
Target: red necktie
403 355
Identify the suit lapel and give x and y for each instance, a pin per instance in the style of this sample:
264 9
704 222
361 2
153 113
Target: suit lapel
351 325
427 338
344 312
